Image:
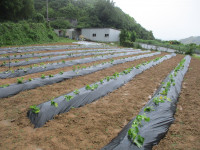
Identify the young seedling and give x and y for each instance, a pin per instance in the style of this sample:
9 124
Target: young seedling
50 76
68 97
35 109
20 80
76 91
30 79
138 66
61 72
74 68
87 87
148 109
54 103
134 130
101 81
158 100
42 76
4 86
165 91
3 64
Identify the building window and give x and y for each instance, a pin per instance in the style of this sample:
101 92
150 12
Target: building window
106 35
94 35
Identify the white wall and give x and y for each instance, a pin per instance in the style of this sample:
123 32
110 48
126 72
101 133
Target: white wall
114 35
100 34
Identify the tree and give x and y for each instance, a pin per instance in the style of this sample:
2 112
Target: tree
16 9
60 24
133 36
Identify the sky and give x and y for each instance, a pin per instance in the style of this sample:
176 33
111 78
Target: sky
167 19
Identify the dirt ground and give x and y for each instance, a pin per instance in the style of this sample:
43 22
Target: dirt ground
89 127
184 134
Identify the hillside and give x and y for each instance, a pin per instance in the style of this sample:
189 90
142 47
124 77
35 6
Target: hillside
90 13
25 33
192 39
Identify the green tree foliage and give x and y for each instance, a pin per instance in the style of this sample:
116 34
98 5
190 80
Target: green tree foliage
133 36
60 24
14 10
38 18
127 38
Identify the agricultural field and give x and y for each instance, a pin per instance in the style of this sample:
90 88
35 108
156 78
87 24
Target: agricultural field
72 97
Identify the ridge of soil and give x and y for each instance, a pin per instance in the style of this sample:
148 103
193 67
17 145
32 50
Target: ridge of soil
89 127
184 133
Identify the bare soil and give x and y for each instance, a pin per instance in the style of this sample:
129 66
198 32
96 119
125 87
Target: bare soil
184 133
88 127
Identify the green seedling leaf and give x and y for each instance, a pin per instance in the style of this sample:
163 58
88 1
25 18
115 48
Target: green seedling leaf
87 87
20 80
35 109
54 103
42 76
148 109
139 141
61 72
50 76
4 86
76 91
68 97
101 81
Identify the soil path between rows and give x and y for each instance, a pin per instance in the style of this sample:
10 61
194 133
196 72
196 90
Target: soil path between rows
88 127
184 133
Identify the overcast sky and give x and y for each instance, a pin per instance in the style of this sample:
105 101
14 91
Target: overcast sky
168 19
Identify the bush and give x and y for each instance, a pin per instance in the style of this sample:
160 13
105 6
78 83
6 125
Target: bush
189 52
128 43
25 33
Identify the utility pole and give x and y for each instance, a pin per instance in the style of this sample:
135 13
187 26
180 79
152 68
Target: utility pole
47 12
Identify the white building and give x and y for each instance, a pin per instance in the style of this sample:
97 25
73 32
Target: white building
92 34
101 34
